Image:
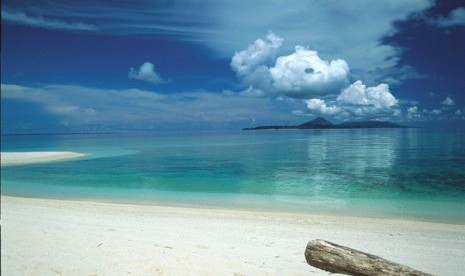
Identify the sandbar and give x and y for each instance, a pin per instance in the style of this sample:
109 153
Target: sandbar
66 237
15 158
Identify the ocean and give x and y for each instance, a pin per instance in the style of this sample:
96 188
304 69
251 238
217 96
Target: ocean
388 173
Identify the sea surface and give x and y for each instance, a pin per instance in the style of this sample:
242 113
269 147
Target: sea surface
401 173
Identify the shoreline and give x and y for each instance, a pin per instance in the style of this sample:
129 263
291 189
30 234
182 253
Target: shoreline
246 206
32 157
70 237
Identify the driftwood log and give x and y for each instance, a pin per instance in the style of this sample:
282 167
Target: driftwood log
340 259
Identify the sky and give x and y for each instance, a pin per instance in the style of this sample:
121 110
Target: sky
213 64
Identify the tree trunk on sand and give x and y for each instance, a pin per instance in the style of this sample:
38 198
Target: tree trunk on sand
340 259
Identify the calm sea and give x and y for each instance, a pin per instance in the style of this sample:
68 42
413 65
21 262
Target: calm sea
407 173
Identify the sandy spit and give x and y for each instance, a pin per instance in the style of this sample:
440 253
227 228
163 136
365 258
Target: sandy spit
13 158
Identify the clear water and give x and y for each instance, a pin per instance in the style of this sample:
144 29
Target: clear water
411 173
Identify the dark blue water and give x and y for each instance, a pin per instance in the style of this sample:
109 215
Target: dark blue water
412 173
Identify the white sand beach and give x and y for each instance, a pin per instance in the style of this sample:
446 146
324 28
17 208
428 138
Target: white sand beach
12 158
62 237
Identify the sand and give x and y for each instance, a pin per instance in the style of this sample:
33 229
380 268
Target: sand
63 237
13 158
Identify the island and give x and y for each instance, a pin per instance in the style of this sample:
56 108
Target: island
322 123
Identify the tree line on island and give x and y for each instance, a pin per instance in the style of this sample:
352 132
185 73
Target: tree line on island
322 123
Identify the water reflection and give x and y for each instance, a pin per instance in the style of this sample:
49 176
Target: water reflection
337 163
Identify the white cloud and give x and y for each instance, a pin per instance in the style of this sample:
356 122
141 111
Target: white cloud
41 22
257 54
302 74
146 73
455 18
412 110
357 94
251 65
413 113
448 102
358 102
320 106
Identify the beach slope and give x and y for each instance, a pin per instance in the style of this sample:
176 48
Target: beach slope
47 237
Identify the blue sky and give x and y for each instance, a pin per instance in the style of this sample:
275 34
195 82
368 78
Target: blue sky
81 65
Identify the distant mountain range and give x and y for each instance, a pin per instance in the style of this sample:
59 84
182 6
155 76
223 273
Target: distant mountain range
322 123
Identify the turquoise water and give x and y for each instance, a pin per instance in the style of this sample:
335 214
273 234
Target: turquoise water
411 173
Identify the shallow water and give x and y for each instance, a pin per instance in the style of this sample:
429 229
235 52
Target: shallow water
411 173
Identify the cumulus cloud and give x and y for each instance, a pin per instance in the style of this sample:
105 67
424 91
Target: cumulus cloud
322 84
357 94
413 112
436 111
412 109
358 101
302 74
448 102
147 73
257 54
445 112
455 18
320 106
251 65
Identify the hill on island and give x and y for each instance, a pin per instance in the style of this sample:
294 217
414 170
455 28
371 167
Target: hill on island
322 123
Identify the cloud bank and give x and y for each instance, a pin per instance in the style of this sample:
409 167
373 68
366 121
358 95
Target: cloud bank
78 105
304 75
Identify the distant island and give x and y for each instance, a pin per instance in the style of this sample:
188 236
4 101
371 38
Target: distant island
322 123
